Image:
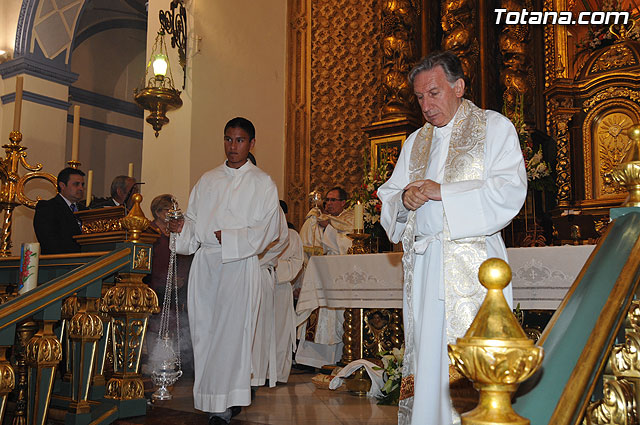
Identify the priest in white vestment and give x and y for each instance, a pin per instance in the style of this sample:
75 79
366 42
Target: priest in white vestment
325 234
458 181
233 215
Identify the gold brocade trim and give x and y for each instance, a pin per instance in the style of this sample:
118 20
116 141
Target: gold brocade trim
406 387
462 257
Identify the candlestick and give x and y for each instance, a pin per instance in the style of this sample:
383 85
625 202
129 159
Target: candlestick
17 111
89 186
76 133
358 222
130 169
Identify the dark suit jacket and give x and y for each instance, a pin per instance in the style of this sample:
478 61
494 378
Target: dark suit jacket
55 226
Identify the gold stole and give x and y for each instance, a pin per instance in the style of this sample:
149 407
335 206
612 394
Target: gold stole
462 257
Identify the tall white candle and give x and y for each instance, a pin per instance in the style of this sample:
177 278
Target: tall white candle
76 133
89 186
17 109
358 222
130 169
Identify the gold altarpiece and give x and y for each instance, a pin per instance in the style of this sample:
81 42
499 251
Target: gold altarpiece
591 100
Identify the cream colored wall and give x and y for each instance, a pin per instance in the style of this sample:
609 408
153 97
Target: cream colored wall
238 71
105 68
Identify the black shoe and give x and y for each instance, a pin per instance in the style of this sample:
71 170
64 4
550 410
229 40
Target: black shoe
217 420
235 410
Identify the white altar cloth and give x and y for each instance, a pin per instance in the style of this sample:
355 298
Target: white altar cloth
540 276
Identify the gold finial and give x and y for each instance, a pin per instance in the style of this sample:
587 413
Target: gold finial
74 164
135 222
627 174
495 353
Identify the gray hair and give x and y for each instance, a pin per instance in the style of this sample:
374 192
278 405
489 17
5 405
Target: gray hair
119 182
449 62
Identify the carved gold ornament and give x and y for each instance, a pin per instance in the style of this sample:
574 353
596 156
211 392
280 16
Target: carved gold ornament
627 174
613 143
44 350
125 389
7 378
611 93
617 407
135 222
130 296
617 56
495 353
85 326
102 226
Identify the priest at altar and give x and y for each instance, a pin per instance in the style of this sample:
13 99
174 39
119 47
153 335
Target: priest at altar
325 233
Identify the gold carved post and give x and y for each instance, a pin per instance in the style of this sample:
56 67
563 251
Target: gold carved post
7 380
24 333
130 302
495 353
12 185
621 391
85 329
69 309
44 352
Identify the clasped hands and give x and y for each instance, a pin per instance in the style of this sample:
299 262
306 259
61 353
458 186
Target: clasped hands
418 192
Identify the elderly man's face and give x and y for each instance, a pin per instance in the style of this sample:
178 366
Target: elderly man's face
438 99
333 204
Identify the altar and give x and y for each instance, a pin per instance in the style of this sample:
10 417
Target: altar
541 278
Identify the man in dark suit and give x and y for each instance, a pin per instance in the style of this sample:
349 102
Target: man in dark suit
122 188
54 222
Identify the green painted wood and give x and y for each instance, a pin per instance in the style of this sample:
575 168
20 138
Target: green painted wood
30 303
566 340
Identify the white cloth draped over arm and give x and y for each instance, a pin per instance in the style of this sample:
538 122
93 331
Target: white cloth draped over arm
393 215
496 199
245 242
276 248
290 262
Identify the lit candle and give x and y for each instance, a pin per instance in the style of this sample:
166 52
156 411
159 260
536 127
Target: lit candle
89 186
130 169
358 222
17 111
76 133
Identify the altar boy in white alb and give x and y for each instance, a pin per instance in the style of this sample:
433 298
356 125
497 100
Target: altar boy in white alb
233 215
458 181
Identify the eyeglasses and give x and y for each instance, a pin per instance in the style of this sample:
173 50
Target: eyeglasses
334 199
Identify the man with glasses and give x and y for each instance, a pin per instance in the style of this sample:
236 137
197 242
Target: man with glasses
325 233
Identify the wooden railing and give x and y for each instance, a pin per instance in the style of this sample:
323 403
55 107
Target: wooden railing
581 336
76 339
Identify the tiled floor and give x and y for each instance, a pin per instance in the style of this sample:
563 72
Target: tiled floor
297 402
